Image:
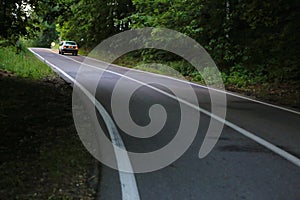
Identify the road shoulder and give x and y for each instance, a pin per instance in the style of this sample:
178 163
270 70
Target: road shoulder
41 156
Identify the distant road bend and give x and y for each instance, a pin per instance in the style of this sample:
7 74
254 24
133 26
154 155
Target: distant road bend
256 157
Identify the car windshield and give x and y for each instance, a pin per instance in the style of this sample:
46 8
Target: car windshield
71 43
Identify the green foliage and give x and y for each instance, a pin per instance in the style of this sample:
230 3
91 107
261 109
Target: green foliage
24 64
44 20
90 22
255 36
15 18
46 35
261 36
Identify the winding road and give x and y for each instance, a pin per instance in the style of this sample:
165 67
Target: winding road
256 157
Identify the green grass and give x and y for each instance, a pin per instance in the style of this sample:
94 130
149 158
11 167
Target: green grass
41 155
237 76
24 64
176 69
258 83
83 51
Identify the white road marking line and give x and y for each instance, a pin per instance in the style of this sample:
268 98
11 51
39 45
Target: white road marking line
128 183
202 86
293 159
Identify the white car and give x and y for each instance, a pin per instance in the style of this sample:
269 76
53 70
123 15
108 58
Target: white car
68 47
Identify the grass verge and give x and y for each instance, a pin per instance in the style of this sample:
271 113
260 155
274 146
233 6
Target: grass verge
256 84
237 80
23 64
41 156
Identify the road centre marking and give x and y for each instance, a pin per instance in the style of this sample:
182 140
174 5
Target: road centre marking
293 159
202 86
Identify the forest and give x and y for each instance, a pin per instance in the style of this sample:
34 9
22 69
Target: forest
252 42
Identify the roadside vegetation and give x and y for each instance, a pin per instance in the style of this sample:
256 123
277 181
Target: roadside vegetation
255 44
257 83
23 64
41 156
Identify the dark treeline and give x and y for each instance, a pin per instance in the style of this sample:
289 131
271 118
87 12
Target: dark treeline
257 36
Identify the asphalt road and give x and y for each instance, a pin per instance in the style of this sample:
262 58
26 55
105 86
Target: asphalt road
238 167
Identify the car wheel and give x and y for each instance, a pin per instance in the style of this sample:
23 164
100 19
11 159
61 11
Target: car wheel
59 52
62 53
76 54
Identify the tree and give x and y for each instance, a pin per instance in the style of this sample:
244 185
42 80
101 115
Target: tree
15 18
90 22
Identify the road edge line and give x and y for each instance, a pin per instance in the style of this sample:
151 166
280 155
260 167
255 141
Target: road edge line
128 182
203 86
284 154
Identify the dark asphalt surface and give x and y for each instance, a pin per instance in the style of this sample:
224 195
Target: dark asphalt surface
237 168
